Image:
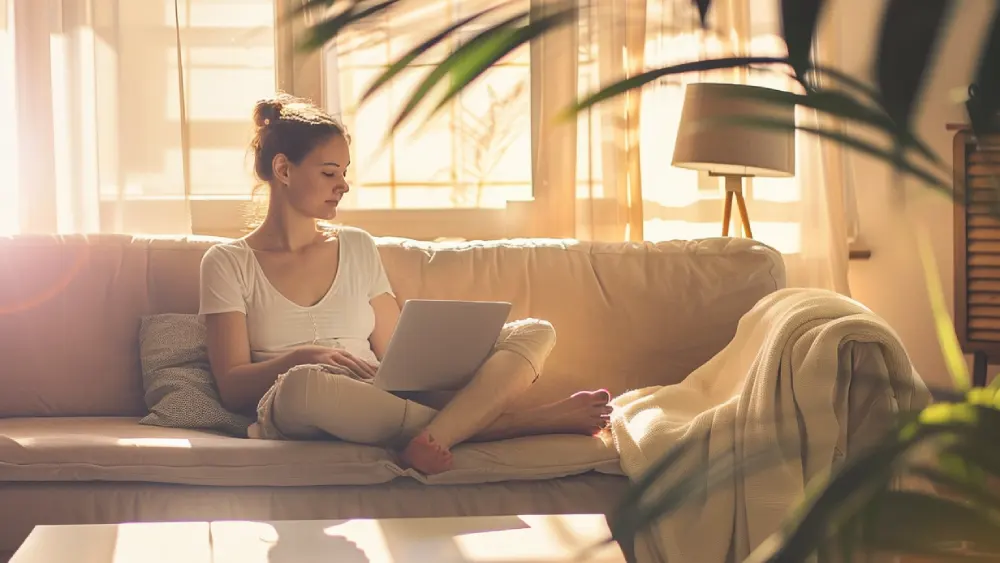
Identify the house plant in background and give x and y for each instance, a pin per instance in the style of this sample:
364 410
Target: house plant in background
860 507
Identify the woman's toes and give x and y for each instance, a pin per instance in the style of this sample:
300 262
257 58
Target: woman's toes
426 455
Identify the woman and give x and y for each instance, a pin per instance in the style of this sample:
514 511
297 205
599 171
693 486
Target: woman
299 316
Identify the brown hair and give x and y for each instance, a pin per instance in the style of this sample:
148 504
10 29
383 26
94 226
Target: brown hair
290 126
284 125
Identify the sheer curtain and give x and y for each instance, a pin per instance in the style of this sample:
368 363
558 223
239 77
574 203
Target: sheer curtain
133 116
126 113
618 154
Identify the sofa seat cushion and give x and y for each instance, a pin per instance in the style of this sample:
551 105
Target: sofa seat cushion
120 449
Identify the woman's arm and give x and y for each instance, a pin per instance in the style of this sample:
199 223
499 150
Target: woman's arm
386 314
241 383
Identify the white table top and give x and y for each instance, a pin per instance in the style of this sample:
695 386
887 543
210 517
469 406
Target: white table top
500 539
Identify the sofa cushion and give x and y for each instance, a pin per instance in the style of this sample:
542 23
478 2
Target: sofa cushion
180 391
121 449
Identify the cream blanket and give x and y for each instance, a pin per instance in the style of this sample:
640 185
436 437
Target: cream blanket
778 377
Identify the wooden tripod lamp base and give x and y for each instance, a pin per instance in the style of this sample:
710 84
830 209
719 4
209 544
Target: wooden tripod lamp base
734 190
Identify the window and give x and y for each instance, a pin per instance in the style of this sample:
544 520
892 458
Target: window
447 175
229 64
170 149
151 103
475 153
9 220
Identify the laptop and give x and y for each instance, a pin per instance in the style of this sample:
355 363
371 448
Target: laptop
438 345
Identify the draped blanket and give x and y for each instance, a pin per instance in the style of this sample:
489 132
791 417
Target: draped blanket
779 381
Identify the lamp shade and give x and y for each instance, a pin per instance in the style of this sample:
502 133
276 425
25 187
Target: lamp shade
705 142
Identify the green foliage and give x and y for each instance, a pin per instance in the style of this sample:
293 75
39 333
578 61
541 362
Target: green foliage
949 450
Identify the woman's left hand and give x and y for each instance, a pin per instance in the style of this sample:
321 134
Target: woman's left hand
368 375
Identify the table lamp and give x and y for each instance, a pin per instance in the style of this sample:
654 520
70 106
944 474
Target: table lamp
705 141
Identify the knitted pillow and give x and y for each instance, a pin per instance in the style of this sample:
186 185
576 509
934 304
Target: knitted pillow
179 388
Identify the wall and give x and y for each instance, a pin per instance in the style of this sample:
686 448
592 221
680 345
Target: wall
891 282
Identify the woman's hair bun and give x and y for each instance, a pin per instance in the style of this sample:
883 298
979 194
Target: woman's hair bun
266 111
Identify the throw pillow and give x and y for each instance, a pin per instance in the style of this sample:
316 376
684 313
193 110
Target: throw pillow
180 391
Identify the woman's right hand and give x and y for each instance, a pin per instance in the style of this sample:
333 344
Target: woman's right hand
322 355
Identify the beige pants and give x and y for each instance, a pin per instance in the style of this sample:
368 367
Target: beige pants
309 402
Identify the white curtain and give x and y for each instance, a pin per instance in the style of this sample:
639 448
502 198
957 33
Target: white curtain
133 116
618 155
125 112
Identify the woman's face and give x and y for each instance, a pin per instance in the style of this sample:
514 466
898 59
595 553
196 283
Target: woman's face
317 184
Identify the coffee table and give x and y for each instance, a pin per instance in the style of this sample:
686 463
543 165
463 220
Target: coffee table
500 539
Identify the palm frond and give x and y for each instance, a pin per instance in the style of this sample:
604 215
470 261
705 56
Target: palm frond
842 105
703 7
484 40
325 31
858 144
913 523
479 53
869 91
833 502
982 104
638 81
965 484
413 54
478 61
650 499
799 19
307 6
907 42
860 488
943 326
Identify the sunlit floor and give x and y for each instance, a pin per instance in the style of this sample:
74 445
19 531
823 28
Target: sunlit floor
501 539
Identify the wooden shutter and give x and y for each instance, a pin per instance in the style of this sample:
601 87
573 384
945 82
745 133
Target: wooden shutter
977 242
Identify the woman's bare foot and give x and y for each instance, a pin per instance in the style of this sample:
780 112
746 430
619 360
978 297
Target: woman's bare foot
425 455
586 412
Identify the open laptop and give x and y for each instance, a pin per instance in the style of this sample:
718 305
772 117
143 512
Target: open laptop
439 344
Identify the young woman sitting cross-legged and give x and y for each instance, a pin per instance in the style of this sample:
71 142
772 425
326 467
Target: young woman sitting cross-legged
292 297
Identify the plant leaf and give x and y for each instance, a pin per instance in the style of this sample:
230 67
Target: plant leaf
799 19
323 32
915 523
906 45
636 510
971 489
842 105
845 494
470 67
703 6
306 6
640 80
868 90
898 161
953 356
469 48
985 90
633 496
413 54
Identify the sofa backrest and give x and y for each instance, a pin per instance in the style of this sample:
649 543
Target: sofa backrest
627 315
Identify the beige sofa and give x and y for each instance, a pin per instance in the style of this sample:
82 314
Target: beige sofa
71 450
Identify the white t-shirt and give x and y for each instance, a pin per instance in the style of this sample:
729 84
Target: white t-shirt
232 280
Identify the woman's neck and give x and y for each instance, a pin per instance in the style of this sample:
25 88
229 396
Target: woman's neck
285 229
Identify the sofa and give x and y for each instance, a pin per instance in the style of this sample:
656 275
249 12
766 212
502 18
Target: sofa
627 315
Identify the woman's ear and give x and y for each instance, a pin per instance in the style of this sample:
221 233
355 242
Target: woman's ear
280 166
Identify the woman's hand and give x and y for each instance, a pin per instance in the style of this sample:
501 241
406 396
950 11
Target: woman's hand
334 357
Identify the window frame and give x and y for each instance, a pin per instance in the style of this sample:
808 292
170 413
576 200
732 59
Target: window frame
304 74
